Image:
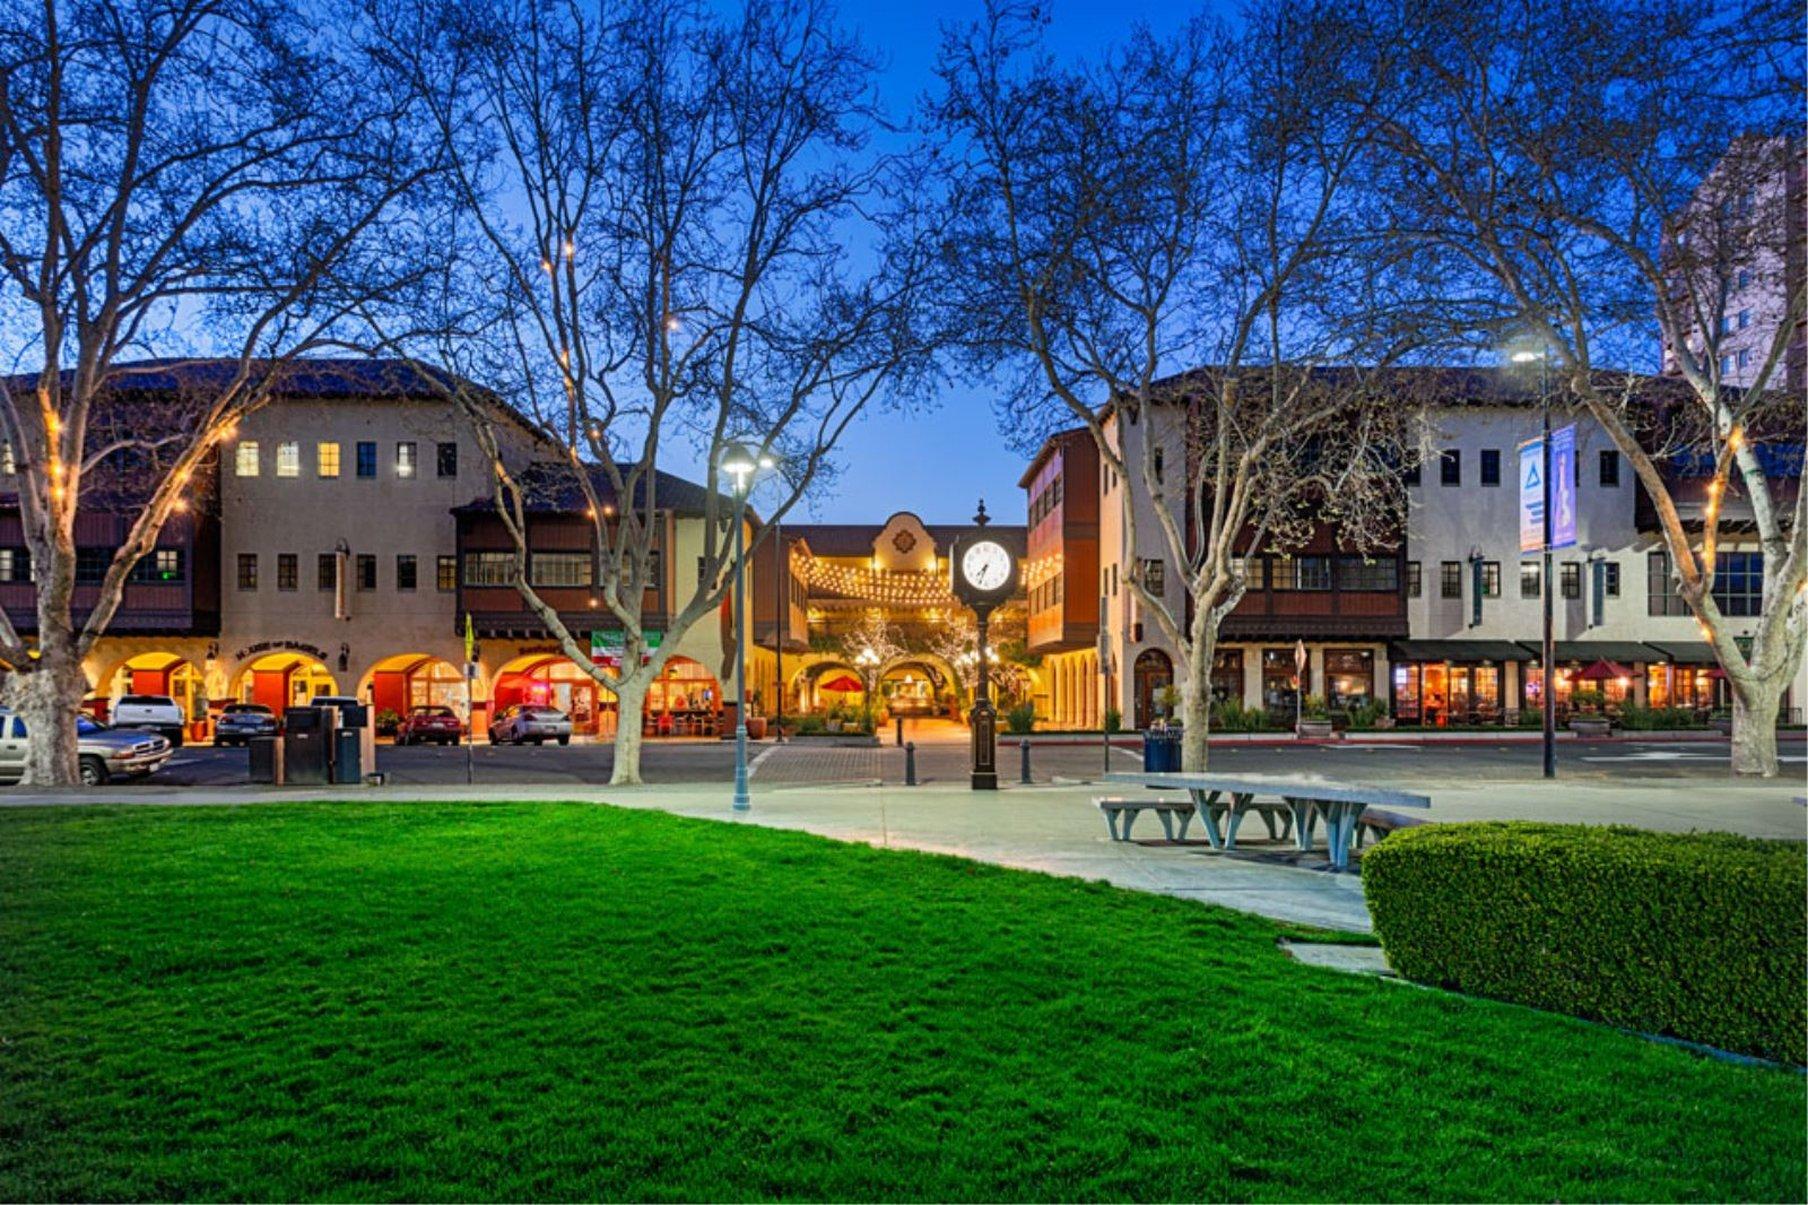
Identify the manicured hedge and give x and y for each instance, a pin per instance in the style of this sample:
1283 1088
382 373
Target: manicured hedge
1700 936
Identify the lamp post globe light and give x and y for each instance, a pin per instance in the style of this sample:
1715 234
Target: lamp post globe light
1547 690
741 464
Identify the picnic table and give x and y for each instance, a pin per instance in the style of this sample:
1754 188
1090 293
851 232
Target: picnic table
1339 804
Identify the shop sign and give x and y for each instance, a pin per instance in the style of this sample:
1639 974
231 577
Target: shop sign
1531 495
281 646
608 647
1563 494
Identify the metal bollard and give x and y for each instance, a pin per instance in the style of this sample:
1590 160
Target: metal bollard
900 732
910 764
1025 747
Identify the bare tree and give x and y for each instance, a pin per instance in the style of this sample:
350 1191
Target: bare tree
1167 248
1574 173
651 229
166 167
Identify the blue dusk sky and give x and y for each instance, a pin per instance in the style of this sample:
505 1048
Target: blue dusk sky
940 462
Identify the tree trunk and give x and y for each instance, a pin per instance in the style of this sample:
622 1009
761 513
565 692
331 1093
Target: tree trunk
1755 710
630 706
47 699
1196 708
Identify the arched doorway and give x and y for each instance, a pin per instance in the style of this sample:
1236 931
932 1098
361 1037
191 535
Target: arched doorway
282 680
401 683
828 684
685 700
551 680
156 674
914 687
1153 670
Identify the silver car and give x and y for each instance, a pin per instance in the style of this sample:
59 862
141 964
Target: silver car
105 752
525 722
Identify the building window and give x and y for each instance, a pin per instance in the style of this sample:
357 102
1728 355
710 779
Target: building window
1490 579
1450 579
1415 583
9 461
560 569
1726 366
288 571
1531 578
327 571
1315 573
367 571
404 459
1282 681
1450 467
489 568
15 564
162 565
1359 573
1661 597
404 571
1744 319
1155 578
1610 468
288 459
1571 580
1610 579
448 460
1349 677
1739 583
1159 465
446 572
91 565
1490 466
367 458
245 463
326 459
1412 476
247 570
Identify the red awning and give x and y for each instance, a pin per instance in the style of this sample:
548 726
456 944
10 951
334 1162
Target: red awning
842 684
1603 671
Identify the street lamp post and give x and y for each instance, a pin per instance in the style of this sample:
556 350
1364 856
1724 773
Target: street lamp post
1547 687
741 463
868 661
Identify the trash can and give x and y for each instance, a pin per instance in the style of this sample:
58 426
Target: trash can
267 760
307 752
1161 752
348 756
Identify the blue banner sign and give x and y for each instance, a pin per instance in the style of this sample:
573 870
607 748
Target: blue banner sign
1563 491
1531 495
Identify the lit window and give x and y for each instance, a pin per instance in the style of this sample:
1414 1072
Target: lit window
288 459
1490 579
15 564
489 568
404 459
447 572
327 459
246 462
9 463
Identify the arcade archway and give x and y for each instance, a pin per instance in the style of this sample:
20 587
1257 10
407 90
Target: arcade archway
409 680
1153 671
551 680
156 674
284 679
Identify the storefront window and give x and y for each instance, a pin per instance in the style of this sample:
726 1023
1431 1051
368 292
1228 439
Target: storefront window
1406 693
1227 675
1280 684
1349 677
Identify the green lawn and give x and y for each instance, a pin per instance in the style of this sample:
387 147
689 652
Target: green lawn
564 1001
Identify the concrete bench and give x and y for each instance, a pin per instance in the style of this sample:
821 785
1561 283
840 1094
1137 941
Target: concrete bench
1115 806
1378 823
1121 813
1339 805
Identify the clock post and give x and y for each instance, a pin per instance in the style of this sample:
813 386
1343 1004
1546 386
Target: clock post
984 574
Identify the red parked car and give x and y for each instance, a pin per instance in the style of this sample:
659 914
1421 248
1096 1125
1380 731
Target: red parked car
437 724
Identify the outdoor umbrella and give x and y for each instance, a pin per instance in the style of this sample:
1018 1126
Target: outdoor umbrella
1604 671
843 684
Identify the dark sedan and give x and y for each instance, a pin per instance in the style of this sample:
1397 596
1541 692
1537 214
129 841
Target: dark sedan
239 722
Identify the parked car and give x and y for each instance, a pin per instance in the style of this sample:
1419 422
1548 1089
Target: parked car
440 725
159 713
525 722
239 722
105 752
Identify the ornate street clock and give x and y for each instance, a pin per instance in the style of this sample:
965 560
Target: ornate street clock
984 574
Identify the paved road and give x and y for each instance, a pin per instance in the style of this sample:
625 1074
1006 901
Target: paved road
945 761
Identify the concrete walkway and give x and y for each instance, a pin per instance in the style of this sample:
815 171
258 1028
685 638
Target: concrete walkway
1056 830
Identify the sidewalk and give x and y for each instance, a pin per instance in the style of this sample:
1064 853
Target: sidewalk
1056 830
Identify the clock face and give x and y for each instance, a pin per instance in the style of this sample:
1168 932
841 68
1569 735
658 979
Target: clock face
986 565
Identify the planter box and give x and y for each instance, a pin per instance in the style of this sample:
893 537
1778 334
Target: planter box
1314 730
756 727
1600 727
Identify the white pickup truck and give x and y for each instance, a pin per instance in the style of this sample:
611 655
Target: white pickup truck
159 713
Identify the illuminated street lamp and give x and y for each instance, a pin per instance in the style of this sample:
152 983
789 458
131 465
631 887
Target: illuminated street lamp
741 464
868 661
